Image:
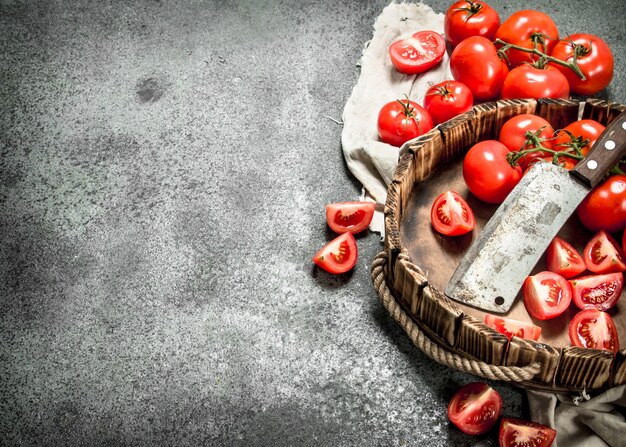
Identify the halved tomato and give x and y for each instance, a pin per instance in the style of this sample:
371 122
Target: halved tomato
603 255
419 53
593 329
599 292
339 255
511 327
546 295
563 259
518 433
475 408
349 216
451 215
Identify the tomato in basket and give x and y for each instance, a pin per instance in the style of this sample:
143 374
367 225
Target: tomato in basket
339 255
349 216
546 295
575 134
475 408
593 329
511 327
599 292
603 255
563 259
451 215
418 53
518 433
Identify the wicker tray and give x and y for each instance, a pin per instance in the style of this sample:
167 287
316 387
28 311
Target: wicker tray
416 263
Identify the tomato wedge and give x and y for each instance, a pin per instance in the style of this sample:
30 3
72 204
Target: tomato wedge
475 408
599 292
593 329
603 255
563 259
451 215
349 216
417 54
518 433
339 255
546 295
511 327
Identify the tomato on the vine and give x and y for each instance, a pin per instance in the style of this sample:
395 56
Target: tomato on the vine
518 433
402 120
599 292
339 255
603 255
511 327
593 329
349 216
451 215
467 18
527 81
475 63
513 135
593 57
418 53
521 28
563 259
604 208
447 99
475 408
487 173
546 295
578 135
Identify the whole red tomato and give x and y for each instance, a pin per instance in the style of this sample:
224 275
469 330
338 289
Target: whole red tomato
527 81
475 63
576 134
594 58
447 100
604 208
513 135
467 18
521 28
402 120
487 173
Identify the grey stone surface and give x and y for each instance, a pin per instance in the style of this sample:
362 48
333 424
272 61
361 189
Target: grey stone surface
164 170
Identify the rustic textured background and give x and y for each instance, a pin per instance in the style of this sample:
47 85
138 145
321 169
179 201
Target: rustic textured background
164 170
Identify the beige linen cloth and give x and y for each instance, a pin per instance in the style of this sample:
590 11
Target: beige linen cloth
598 421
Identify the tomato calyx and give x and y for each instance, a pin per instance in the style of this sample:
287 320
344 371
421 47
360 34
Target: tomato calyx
472 9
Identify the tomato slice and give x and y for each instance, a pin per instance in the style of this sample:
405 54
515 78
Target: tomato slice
417 54
349 216
475 408
451 215
599 292
518 433
563 259
603 255
593 329
546 295
339 255
511 327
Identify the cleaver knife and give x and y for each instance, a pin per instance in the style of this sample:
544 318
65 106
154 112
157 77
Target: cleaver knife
495 266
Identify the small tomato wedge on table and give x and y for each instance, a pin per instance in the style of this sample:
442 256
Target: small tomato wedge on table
511 327
604 208
527 81
349 216
418 53
339 255
513 134
467 18
451 215
599 292
603 255
447 99
475 408
593 329
546 295
400 121
521 433
563 259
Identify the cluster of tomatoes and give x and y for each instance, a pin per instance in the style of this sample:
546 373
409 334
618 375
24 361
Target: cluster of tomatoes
522 57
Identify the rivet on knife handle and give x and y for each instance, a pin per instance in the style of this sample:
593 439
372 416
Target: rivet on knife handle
605 153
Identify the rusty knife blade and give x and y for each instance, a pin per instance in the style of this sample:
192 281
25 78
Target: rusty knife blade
495 266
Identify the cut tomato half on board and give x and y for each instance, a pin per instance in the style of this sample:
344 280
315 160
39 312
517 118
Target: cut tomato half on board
511 327
563 259
352 217
603 255
546 295
518 433
417 54
599 292
475 408
593 329
339 255
451 215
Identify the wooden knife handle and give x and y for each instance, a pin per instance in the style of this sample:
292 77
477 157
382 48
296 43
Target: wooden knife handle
605 153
